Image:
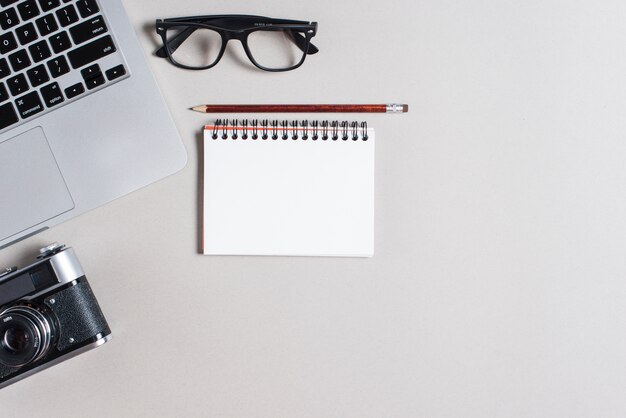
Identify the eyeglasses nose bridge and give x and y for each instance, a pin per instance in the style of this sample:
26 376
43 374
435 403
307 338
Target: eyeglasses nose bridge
232 34
240 36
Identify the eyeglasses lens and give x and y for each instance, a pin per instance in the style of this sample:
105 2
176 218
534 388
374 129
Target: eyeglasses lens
193 47
276 49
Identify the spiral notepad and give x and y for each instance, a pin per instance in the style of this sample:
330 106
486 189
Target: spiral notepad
288 188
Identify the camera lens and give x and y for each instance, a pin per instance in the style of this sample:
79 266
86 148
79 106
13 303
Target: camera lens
16 339
25 335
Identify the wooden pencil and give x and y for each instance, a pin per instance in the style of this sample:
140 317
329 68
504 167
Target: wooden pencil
304 108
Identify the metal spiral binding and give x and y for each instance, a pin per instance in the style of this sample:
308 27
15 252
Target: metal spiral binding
305 130
283 129
324 130
272 133
216 127
225 130
294 130
334 126
234 130
244 129
344 129
255 129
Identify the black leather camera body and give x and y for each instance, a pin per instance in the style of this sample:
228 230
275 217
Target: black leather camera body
48 314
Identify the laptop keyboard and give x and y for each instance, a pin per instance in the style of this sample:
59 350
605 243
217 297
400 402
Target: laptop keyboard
52 52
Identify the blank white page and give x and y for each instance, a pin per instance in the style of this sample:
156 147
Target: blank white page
289 197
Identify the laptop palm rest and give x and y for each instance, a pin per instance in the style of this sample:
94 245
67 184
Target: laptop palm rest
32 189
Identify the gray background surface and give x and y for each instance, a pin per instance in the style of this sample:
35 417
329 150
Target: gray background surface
497 288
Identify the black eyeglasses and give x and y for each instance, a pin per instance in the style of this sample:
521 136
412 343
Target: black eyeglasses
198 43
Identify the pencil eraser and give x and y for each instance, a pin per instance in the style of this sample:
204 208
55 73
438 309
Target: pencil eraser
405 108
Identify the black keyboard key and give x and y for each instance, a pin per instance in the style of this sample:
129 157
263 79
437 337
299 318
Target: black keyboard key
7 115
4 94
58 66
26 33
5 3
92 51
17 84
67 15
87 7
91 71
116 72
8 18
28 9
60 42
7 43
52 95
88 30
95 81
47 5
75 90
40 51
19 60
29 105
38 75
47 24
4 68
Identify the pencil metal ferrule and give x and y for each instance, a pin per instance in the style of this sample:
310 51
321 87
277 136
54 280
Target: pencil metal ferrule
395 108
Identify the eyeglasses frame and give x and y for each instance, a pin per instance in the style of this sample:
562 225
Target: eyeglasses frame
260 23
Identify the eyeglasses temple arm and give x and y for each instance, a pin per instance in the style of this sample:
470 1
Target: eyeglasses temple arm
175 42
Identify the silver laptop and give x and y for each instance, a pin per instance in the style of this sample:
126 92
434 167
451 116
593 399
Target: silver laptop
81 119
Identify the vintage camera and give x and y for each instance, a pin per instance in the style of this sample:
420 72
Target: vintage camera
48 314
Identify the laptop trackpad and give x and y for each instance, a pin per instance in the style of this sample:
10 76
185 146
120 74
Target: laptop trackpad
31 186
